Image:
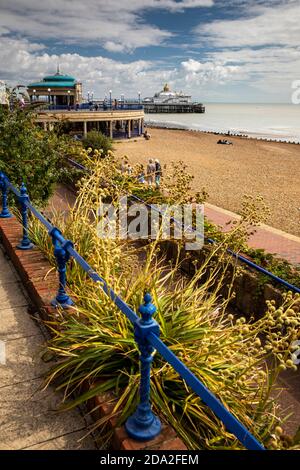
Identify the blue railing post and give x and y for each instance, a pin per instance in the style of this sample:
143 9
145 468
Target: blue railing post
62 256
4 214
25 243
144 424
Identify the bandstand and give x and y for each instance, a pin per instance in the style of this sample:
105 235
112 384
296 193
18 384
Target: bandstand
59 98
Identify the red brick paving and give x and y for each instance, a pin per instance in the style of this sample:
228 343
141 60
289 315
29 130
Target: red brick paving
272 240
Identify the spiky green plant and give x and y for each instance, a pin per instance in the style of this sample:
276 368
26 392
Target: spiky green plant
94 341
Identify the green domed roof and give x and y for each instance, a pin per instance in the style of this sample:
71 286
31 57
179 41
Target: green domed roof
59 78
55 81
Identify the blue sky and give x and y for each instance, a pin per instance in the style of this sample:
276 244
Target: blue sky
216 50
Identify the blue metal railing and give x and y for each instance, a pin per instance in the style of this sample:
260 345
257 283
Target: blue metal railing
211 241
93 107
143 424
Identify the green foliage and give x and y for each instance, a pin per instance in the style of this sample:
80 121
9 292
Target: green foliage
95 343
149 195
277 266
176 189
29 154
97 141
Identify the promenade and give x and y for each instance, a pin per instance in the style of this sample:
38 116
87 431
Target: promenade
272 240
28 416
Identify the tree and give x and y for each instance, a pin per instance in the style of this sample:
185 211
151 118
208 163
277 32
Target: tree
29 154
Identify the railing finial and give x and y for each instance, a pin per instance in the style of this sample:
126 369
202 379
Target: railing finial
144 425
148 309
4 214
25 243
62 256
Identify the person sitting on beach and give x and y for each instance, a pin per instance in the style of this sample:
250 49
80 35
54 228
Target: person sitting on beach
150 172
224 142
146 135
158 173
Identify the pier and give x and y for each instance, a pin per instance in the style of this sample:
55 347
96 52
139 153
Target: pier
174 108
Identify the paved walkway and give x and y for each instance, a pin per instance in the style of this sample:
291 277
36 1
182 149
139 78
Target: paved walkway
272 240
28 416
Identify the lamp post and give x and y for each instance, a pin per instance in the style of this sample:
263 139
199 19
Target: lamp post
139 93
122 100
92 96
49 91
34 97
69 92
110 103
88 94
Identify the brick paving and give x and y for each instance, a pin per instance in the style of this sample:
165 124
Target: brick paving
28 415
274 241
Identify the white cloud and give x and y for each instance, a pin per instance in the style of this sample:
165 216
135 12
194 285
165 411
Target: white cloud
269 69
258 52
113 24
263 43
275 25
268 72
24 62
113 46
202 72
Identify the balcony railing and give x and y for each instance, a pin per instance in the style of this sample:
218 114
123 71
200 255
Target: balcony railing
102 107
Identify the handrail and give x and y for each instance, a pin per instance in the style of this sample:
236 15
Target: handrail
239 257
143 424
84 107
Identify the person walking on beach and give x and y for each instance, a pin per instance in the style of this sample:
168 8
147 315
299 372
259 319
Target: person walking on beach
150 172
141 175
124 165
158 173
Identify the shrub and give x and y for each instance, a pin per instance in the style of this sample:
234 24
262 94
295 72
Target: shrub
97 141
29 154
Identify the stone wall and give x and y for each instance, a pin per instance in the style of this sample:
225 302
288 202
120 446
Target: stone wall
251 293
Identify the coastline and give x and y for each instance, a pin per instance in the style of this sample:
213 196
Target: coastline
249 166
223 132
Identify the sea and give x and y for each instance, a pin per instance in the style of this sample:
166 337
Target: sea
266 121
